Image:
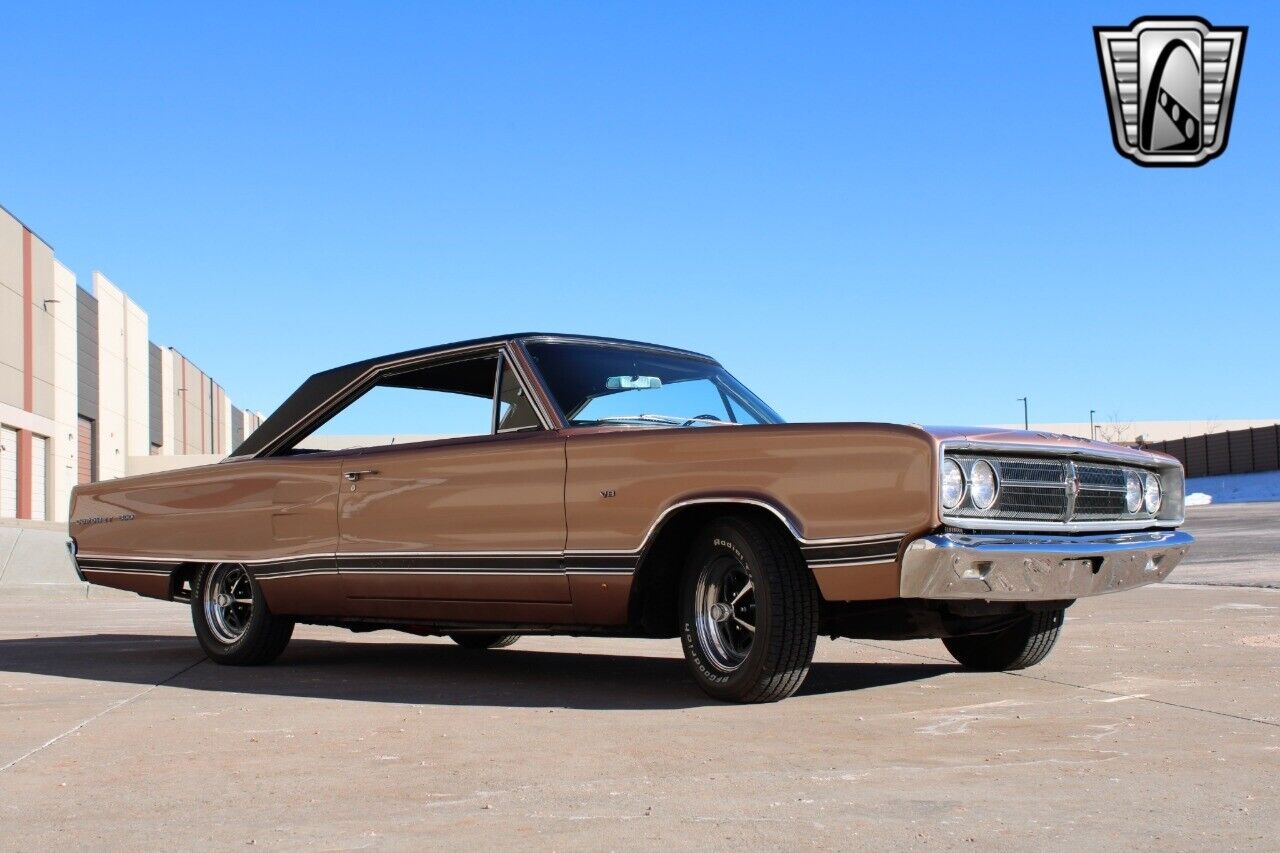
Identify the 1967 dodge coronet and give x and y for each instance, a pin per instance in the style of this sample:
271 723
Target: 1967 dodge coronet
621 488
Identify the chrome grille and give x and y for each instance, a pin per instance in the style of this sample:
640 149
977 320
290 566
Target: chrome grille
1100 476
1018 501
1030 489
1056 490
1101 492
1032 470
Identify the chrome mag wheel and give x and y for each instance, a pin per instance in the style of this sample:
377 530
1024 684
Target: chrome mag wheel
725 612
228 602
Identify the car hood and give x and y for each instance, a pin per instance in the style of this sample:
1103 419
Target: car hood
1068 444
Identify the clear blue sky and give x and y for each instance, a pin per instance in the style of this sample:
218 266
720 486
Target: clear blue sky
867 212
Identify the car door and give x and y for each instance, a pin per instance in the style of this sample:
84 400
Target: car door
469 528
479 519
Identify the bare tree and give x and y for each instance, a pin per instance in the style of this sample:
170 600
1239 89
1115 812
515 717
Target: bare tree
1115 430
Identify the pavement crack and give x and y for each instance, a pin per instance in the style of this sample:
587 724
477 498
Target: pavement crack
1045 680
1268 586
4 566
107 710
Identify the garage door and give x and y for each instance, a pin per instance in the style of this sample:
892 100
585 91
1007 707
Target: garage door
8 473
84 452
39 487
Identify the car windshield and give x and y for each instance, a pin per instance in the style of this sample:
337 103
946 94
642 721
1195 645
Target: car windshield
613 384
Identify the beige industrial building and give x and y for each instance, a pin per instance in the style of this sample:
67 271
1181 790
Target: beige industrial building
84 392
1144 432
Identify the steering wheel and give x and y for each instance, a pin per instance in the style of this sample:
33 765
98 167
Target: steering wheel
695 419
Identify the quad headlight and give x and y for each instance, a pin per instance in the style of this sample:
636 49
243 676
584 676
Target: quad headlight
1133 490
1152 495
983 485
969 482
952 484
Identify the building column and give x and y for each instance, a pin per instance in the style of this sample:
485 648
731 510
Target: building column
28 377
63 445
169 447
203 416
185 390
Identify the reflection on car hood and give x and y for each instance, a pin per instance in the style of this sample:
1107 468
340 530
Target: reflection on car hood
1065 443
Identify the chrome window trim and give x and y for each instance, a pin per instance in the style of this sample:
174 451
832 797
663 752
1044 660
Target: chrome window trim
1069 455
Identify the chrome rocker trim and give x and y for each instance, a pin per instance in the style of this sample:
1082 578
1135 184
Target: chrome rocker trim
1030 567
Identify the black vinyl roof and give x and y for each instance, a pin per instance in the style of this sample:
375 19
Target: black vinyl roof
322 387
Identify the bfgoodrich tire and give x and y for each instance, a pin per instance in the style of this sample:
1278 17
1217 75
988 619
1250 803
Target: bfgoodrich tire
231 618
1019 646
484 641
748 611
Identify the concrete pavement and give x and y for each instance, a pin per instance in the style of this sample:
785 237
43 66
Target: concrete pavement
1156 721
1236 545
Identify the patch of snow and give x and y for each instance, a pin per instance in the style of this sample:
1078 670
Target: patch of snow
1199 499
1236 488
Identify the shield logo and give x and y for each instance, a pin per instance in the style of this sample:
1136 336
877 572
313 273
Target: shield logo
1170 85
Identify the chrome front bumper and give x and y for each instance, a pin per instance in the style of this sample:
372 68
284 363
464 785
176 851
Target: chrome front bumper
1030 567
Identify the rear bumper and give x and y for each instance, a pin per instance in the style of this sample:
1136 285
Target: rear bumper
75 564
1028 567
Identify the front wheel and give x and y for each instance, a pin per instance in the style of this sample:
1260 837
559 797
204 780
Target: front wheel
231 618
748 612
1019 646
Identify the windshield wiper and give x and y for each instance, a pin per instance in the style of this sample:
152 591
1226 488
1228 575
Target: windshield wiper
673 420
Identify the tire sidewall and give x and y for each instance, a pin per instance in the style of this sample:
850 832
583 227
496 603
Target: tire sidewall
720 539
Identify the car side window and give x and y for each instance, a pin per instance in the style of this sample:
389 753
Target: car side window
515 409
435 401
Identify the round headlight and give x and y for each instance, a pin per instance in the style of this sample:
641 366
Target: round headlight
1132 491
952 484
1152 497
983 486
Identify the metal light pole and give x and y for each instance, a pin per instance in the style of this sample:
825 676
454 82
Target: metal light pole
1026 424
1092 434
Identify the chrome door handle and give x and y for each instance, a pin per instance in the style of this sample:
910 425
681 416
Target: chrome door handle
352 476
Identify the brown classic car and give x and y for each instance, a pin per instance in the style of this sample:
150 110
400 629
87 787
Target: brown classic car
619 488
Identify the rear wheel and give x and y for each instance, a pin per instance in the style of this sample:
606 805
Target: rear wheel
748 612
231 618
484 641
1019 646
